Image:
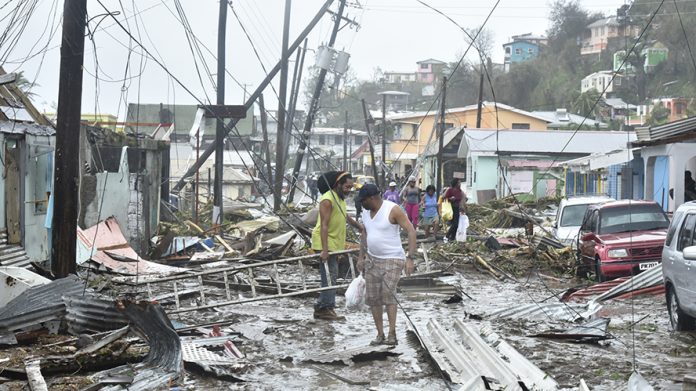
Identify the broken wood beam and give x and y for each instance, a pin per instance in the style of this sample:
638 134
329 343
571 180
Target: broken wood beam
194 226
486 266
34 377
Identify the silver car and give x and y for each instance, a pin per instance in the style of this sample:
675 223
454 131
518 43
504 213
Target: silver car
679 268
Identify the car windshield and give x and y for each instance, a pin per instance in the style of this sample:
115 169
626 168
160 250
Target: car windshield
572 215
632 218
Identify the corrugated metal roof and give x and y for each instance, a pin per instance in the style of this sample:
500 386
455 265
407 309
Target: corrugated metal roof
39 304
92 314
466 353
649 278
556 311
543 142
672 129
13 127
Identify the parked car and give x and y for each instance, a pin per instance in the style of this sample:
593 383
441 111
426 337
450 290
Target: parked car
621 238
569 217
679 268
362 180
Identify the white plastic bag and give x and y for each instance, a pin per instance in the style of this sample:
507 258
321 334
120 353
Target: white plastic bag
461 229
355 294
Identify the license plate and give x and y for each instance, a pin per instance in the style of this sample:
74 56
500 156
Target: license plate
647 265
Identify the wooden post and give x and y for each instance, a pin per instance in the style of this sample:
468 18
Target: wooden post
67 156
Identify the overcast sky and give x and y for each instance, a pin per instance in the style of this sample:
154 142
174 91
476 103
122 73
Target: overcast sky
393 35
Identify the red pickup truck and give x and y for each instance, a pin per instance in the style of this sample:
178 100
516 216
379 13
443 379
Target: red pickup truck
621 238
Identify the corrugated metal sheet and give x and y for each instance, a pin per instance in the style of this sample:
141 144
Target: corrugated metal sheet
649 278
467 353
592 331
92 314
556 311
673 129
39 304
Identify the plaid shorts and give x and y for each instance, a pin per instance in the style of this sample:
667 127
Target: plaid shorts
381 278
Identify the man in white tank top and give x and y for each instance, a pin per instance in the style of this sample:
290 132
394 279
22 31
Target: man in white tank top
385 258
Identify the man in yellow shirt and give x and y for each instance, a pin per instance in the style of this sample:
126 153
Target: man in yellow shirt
329 235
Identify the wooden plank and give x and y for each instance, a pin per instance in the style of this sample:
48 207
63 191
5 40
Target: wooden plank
34 376
12 196
8 78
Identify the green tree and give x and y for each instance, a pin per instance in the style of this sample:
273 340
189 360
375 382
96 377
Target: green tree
586 103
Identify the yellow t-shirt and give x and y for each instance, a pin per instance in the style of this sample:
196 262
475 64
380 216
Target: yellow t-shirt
337 224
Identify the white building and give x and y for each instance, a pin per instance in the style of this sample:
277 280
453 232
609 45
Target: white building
601 82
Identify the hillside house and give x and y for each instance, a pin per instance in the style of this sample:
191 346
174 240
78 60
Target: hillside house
597 35
522 48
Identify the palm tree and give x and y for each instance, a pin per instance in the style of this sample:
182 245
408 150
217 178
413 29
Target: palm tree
25 85
585 103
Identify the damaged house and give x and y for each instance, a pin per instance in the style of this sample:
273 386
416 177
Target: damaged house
27 141
123 176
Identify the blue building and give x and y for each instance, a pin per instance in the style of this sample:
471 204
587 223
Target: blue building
522 48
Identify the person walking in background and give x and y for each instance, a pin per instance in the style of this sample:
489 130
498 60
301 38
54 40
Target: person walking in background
430 211
313 189
392 194
411 196
454 195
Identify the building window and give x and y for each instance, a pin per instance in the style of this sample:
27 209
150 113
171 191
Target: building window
530 51
520 126
518 51
508 50
338 140
322 140
424 66
358 140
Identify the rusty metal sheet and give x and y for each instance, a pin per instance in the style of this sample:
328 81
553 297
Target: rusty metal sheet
649 278
106 246
558 311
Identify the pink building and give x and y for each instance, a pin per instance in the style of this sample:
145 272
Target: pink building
429 70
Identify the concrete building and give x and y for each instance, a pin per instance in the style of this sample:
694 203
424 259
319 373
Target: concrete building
603 82
523 161
522 48
667 151
597 35
429 70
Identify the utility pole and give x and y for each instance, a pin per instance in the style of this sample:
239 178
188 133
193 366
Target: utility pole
280 131
294 93
220 125
441 135
253 97
480 99
266 149
383 175
369 139
345 144
67 168
314 105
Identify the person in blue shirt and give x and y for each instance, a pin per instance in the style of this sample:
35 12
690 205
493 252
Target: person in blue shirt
392 194
430 215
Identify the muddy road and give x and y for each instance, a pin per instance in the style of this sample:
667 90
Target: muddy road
281 340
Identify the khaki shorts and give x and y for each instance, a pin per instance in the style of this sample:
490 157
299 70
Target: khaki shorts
381 278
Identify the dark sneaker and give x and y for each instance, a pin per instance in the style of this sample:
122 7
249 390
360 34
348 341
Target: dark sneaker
378 341
391 340
327 314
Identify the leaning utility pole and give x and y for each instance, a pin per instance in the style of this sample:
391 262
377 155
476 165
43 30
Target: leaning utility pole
253 97
280 136
220 125
441 134
369 140
480 99
383 173
67 168
314 105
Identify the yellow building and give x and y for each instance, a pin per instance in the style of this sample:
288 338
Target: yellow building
108 121
412 131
